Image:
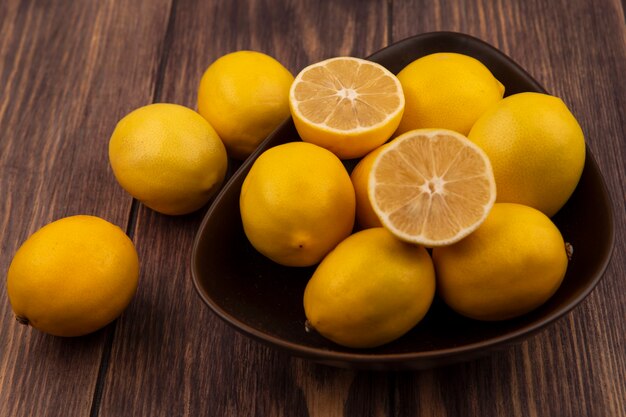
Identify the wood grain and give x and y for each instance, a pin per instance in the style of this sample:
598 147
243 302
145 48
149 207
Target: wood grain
578 366
70 70
171 355
62 87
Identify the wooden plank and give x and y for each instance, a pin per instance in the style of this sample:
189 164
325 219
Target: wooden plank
68 71
577 367
171 355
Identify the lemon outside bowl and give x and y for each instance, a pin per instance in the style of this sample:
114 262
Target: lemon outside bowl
264 300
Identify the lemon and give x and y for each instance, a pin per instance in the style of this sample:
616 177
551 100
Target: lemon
446 90
73 276
431 186
347 105
168 157
244 95
370 290
365 215
297 203
537 149
512 264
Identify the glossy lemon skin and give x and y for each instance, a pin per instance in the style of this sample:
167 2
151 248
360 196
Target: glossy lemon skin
73 276
297 203
447 91
371 289
536 148
513 263
168 157
365 215
244 96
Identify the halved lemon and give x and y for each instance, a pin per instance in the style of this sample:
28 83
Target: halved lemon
347 105
431 186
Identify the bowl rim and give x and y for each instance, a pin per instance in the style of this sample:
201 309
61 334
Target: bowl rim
365 357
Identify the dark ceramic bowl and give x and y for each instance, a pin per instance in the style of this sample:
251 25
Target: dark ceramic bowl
264 300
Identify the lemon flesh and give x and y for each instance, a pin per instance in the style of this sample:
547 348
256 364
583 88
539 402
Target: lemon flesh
347 105
431 186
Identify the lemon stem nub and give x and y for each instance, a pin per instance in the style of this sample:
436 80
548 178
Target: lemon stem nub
308 327
22 320
569 249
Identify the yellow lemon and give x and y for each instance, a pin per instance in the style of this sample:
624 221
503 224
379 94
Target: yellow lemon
73 276
536 147
370 290
431 186
511 265
446 90
244 95
365 215
347 105
297 203
168 157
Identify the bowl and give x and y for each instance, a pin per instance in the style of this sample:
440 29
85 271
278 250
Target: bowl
264 300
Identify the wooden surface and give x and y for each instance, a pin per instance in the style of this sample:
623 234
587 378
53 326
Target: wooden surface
70 70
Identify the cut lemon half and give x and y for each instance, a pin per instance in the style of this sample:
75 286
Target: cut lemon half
347 105
431 186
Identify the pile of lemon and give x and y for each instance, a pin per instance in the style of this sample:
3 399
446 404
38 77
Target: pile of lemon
77 274
435 143
453 190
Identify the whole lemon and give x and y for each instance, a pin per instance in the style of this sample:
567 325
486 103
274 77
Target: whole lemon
365 215
245 96
509 266
168 157
73 276
446 90
371 289
297 203
536 148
